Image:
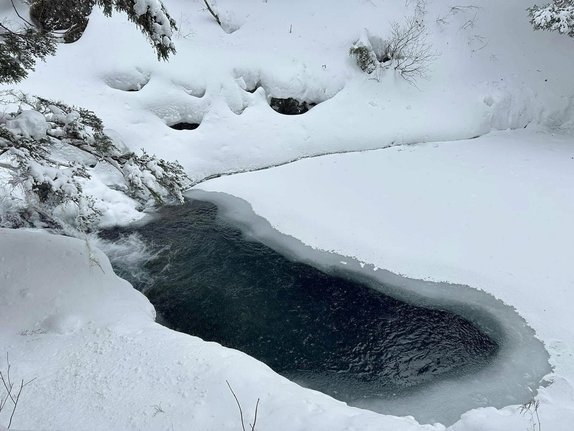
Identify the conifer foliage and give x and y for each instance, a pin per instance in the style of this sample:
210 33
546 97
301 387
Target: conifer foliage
47 152
51 21
151 17
19 50
556 16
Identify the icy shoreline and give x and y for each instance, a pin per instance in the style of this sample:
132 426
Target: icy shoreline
101 362
509 379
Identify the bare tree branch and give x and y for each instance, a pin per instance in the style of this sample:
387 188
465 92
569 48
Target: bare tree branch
213 14
255 417
11 395
251 426
18 14
238 405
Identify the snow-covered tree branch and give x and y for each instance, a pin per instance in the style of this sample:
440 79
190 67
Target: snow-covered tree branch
50 21
36 138
556 16
19 50
151 17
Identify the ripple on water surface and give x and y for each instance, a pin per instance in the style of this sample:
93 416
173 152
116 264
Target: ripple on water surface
323 330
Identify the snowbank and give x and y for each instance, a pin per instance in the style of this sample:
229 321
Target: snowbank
490 71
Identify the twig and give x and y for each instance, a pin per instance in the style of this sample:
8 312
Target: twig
9 386
16 403
20 16
532 406
94 261
213 13
252 426
238 405
255 416
157 410
11 32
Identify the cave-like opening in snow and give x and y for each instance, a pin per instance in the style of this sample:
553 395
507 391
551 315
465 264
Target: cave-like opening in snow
290 106
184 126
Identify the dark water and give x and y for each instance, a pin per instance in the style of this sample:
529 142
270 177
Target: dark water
327 331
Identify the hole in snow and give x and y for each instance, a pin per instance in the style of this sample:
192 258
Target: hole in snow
290 106
184 126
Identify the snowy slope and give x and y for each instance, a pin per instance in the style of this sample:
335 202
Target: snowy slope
491 71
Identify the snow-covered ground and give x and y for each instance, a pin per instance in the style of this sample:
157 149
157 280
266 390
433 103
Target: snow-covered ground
491 71
492 213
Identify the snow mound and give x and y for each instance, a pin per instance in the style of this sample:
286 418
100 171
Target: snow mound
29 124
129 80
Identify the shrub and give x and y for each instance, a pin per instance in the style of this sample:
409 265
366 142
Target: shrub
406 51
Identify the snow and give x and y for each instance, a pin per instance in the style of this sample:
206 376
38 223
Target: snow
482 78
29 124
492 213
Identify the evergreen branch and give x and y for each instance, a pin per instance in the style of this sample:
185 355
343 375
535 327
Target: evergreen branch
49 182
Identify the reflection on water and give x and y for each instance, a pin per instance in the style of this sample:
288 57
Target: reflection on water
327 332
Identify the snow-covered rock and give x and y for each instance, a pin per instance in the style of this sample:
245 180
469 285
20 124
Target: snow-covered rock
29 124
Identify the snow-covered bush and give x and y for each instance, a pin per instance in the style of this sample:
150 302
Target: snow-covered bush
556 16
406 51
47 150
